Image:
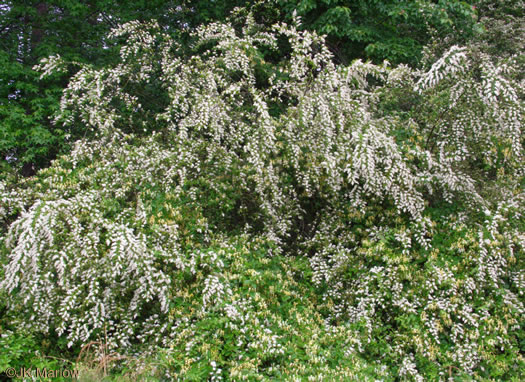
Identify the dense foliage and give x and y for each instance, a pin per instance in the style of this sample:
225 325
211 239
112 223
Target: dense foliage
393 30
77 31
235 213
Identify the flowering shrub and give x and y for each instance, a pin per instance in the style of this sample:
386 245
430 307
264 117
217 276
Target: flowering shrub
262 322
402 189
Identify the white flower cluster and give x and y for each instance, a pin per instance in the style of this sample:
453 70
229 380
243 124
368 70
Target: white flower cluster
408 369
72 268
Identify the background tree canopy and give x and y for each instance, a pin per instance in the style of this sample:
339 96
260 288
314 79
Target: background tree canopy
263 191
